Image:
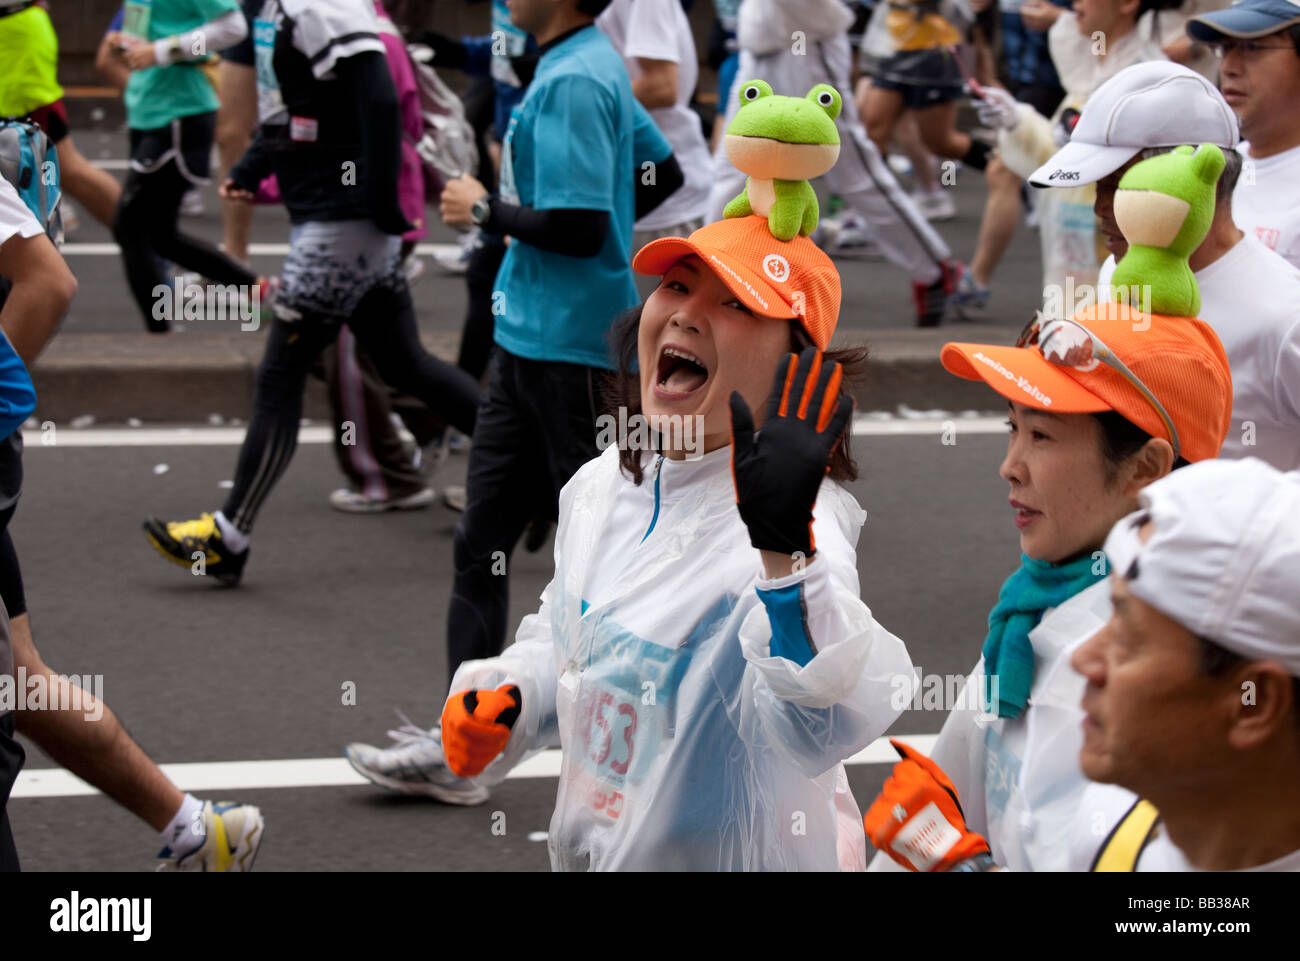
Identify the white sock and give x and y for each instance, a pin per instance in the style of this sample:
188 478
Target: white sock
231 534
185 831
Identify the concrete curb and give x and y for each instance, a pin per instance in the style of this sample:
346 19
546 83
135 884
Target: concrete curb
187 377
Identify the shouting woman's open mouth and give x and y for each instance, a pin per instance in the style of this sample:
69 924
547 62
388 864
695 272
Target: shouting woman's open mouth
679 374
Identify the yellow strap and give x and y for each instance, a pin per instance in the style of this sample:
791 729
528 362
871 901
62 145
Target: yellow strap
1121 850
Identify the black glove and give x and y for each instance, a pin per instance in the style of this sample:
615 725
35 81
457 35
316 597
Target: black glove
777 475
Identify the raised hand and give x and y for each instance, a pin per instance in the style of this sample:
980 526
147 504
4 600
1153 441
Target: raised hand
777 473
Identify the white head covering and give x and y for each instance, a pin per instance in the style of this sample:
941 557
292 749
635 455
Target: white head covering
1223 559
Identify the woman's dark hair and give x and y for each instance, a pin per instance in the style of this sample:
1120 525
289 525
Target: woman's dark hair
622 388
1121 439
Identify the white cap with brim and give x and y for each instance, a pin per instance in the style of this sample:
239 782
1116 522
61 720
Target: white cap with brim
1223 558
1152 104
1245 20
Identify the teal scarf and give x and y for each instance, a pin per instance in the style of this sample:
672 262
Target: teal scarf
1008 655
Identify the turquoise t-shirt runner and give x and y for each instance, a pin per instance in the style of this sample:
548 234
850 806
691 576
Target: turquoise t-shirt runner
158 95
573 142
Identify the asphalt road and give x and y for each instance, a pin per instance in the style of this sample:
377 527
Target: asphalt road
201 674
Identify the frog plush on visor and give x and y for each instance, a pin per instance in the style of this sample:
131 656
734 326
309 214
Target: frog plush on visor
782 143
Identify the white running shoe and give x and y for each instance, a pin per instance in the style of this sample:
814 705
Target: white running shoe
232 833
454 497
192 203
355 502
852 236
415 765
413 268
457 261
936 205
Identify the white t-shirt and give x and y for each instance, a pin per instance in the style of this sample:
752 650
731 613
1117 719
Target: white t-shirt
1250 297
1266 201
659 30
1104 806
15 217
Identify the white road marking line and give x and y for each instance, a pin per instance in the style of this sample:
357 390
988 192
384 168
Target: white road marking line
320 434
160 437
879 427
332 772
269 250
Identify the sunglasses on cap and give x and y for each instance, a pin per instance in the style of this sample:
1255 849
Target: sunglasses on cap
1067 343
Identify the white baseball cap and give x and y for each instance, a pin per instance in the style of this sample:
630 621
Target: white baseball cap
1223 559
1152 104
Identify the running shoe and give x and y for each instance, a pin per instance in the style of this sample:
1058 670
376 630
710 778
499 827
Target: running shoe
932 299
454 497
428 459
457 261
192 203
935 205
356 502
899 164
187 542
969 295
848 234
457 442
413 267
414 765
232 833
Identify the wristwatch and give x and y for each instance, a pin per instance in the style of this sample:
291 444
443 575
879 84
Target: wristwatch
174 53
480 212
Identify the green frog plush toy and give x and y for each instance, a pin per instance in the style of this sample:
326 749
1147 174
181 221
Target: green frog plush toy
1164 206
781 143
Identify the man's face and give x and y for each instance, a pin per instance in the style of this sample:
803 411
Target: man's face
1152 716
1104 207
1263 86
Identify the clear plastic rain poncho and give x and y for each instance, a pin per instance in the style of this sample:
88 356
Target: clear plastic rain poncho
686 745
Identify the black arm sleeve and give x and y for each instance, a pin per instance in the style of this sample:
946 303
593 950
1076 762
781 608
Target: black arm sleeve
366 78
576 232
668 177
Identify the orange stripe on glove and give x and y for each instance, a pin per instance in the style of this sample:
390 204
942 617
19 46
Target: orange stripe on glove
917 819
476 727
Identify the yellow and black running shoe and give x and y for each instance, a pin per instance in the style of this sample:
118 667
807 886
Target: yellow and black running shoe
197 545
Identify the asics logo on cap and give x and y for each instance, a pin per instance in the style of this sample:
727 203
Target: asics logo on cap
1063 175
776 267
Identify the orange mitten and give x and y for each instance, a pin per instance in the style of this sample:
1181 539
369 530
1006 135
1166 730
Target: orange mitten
917 819
476 726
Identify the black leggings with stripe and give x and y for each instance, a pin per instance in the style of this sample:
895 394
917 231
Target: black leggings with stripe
383 323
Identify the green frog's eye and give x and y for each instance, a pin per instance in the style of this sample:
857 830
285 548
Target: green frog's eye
826 97
754 90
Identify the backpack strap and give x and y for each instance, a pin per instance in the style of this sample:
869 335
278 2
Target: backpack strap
1128 839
